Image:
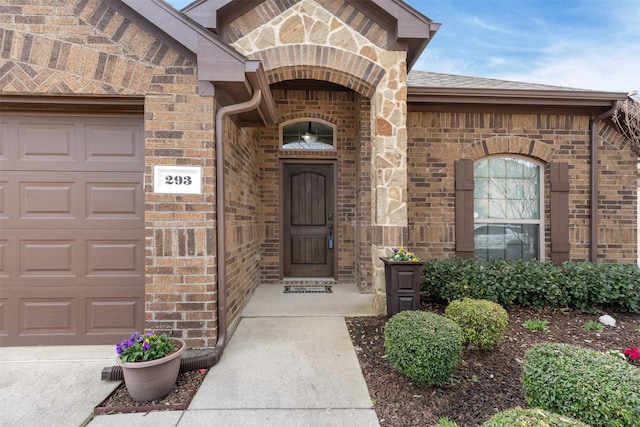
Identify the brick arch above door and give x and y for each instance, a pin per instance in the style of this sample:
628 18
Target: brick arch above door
509 144
313 115
296 61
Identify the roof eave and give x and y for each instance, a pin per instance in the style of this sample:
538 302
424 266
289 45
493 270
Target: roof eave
512 97
408 28
219 65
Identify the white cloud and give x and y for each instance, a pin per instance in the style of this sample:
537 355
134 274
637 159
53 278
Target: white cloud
587 44
479 22
613 70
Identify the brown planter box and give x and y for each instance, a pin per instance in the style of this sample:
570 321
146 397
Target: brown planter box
402 279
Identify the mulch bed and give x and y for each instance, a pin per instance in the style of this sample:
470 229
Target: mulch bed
485 382
187 384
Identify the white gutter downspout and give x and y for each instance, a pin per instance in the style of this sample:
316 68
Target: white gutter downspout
220 213
593 252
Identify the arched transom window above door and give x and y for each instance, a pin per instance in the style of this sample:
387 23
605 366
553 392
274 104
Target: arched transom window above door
307 134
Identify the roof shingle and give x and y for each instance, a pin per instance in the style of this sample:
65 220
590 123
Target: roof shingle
427 79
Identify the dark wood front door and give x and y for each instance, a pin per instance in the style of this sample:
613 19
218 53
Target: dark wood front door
308 220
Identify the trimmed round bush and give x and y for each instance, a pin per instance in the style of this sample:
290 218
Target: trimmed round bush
422 346
596 388
483 322
531 418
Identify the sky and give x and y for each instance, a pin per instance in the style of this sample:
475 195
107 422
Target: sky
587 44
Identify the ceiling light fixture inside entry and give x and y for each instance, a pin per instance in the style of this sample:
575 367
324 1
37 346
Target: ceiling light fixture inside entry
309 136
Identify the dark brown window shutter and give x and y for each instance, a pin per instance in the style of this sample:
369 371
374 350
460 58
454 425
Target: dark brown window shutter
559 225
465 245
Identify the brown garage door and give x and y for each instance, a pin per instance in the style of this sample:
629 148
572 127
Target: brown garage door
71 229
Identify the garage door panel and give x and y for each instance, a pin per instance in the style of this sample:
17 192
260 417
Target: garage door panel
3 200
71 143
66 315
4 140
108 258
4 320
72 200
70 257
47 143
113 143
48 316
114 315
4 259
114 199
49 258
48 200
71 229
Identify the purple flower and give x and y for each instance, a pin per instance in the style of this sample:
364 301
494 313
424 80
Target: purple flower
146 345
119 348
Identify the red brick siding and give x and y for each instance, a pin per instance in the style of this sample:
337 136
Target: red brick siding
338 108
437 139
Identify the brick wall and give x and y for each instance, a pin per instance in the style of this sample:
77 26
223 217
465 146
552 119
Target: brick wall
244 218
84 48
437 139
338 108
364 207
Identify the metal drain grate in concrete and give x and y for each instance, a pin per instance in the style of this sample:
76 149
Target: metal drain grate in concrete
306 289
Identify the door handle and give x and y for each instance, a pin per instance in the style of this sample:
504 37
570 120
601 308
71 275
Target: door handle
330 241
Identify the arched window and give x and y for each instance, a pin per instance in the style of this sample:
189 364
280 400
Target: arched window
307 134
508 208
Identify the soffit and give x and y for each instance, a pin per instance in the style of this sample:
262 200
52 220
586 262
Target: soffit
405 28
222 71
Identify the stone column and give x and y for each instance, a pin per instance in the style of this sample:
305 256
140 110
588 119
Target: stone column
389 167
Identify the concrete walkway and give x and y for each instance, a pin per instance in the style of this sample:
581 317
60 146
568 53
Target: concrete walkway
290 362
55 386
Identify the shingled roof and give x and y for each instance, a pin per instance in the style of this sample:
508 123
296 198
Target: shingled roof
427 87
428 79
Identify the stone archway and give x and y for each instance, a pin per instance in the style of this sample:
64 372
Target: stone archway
325 63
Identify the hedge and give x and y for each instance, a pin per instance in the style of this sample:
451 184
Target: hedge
582 285
596 388
531 418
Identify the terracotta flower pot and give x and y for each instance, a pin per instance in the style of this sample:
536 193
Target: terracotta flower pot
154 379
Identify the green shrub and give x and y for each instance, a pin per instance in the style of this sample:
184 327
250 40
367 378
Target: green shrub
483 322
596 388
594 285
592 325
535 324
446 422
424 347
583 285
531 418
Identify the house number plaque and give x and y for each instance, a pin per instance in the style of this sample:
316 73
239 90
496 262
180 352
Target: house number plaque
177 179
